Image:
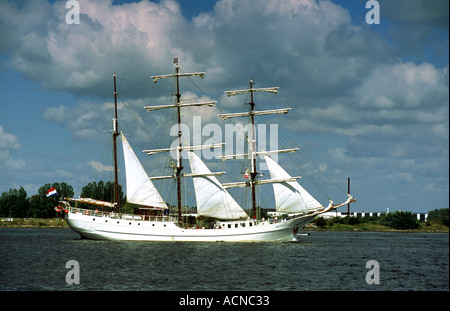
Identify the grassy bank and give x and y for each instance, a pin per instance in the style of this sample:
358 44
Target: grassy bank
33 223
424 227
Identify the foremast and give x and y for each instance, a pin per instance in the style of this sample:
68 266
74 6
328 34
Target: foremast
178 170
253 152
115 134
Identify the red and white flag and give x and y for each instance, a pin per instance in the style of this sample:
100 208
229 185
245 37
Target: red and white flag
51 192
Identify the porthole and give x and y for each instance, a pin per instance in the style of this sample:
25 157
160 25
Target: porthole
129 223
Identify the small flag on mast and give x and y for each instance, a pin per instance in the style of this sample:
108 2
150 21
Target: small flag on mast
175 60
51 192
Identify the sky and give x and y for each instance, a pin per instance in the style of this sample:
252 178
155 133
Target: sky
369 101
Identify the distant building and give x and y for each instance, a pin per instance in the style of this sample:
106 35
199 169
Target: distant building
419 216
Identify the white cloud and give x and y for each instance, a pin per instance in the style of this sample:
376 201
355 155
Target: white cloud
87 120
9 162
404 85
9 142
99 167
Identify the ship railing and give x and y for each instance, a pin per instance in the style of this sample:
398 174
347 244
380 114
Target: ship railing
114 215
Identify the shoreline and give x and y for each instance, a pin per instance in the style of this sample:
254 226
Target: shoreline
424 228
33 223
60 223
374 230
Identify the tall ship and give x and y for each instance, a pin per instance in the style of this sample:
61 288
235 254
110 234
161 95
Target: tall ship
219 217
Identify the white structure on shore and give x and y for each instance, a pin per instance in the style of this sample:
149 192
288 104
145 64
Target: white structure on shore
419 216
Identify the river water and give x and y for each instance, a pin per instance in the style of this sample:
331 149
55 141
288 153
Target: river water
35 259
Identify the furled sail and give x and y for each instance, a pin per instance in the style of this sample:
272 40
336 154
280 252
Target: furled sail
140 189
212 198
290 197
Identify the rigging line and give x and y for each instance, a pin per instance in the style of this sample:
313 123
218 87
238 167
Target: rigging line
141 125
284 136
127 90
134 82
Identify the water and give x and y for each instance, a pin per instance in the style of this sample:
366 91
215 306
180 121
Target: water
35 259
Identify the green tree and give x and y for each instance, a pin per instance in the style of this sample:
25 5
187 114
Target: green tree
320 222
43 207
400 220
102 191
440 216
14 203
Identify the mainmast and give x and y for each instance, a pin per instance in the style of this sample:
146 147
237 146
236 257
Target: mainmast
253 152
115 134
178 105
253 172
179 155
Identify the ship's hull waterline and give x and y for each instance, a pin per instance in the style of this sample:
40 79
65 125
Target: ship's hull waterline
109 228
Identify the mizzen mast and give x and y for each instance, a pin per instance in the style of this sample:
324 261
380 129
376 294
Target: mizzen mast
178 105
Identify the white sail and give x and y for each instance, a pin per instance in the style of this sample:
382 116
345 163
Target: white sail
290 197
140 189
212 198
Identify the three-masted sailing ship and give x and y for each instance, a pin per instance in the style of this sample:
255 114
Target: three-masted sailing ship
226 219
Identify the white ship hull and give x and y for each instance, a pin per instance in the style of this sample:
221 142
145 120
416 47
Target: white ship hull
104 227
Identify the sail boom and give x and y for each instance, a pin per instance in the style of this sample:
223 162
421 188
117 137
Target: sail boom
203 174
187 175
153 108
226 116
200 74
276 180
200 147
273 90
155 151
239 184
161 177
188 148
277 151
234 156
259 153
93 201
242 184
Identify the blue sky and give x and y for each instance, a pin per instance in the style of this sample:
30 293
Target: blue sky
369 101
